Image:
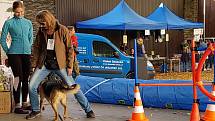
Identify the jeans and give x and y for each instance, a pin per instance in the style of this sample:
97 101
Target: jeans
40 74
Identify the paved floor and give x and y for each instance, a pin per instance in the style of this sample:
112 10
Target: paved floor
104 112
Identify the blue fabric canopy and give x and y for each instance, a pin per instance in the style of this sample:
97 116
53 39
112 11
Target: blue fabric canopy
164 15
122 17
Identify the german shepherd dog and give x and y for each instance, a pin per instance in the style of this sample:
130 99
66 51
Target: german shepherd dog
55 93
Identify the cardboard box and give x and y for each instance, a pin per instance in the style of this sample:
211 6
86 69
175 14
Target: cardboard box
5 102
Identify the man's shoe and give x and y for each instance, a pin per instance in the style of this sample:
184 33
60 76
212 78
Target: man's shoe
33 115
20 111
90 114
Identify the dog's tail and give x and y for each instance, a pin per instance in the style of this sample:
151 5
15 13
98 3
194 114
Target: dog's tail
73 90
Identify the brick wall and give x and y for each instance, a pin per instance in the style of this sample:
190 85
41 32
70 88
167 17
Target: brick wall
190 13
32 7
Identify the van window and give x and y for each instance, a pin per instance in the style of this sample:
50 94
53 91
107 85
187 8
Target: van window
101 49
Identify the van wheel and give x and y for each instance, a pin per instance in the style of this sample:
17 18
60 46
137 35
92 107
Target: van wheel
130 75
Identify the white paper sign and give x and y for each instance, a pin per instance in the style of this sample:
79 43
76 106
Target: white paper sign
167 37
16 83
50 44
198 31
125 39
152 53
162 31
147 32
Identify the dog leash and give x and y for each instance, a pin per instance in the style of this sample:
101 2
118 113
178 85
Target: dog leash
60 117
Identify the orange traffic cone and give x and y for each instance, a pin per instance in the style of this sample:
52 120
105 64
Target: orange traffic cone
210 111
138 113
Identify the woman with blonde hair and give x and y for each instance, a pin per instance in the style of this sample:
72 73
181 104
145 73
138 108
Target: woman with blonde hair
19 53
140 48
53 52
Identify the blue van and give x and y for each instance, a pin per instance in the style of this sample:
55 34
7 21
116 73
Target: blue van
101 58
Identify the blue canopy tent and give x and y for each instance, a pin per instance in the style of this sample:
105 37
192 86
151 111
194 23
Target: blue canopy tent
164 15
122 17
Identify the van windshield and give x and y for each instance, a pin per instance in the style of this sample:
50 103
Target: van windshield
101 49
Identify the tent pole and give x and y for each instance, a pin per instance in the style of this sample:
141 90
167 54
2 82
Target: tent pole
167 49
167 52
153 45
204 10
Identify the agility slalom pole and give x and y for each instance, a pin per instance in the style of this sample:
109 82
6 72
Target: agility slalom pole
213 89
195 107
135 60
138 113
171 84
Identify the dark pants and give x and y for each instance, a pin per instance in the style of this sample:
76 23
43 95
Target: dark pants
209 62
185 59
21 66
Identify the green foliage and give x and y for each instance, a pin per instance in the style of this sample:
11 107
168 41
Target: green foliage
9 9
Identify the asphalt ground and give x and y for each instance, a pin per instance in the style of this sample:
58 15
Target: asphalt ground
104 112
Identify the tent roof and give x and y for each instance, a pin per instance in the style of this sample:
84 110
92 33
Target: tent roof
164 15
122 17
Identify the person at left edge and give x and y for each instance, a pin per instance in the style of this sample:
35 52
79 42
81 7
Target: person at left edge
19 52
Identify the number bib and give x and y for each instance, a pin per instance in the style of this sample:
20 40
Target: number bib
50 44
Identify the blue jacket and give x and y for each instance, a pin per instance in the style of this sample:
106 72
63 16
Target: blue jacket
202 47
21 32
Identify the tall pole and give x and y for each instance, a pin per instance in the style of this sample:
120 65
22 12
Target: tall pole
135 60
204 20
194 116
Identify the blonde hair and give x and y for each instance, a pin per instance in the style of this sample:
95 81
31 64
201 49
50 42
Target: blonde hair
48 17
140 41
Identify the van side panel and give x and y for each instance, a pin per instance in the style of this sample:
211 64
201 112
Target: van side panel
100 58
96 58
